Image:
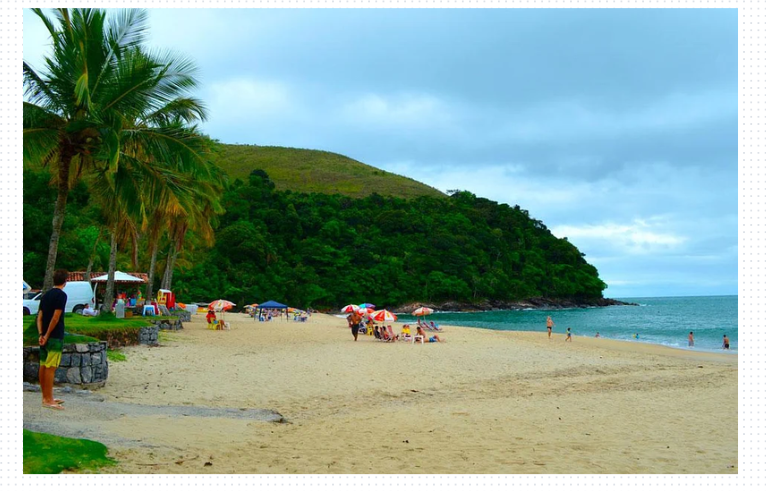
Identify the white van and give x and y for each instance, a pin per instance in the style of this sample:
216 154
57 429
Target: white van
79 293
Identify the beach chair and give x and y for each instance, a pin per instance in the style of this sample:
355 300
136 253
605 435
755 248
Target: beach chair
418 338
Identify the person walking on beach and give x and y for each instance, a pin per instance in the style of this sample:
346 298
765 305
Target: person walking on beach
569 334
549 325
50 327
725 342
353 322
691 339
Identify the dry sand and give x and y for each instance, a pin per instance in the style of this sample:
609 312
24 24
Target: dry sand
482 402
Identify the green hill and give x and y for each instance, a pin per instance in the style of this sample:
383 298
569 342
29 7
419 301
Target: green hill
310 171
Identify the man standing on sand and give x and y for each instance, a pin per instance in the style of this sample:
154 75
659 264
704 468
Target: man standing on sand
50 327
549 324
691 339
353 322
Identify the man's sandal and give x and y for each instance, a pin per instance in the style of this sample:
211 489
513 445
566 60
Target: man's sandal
57 407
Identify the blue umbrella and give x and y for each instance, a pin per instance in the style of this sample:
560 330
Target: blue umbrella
366 305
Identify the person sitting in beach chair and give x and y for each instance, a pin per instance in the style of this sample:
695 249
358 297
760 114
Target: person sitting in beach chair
384 334
210 318
433 339
434 327
406 335
376 332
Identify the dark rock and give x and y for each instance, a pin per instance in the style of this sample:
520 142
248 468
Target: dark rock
66 359
81 348
85 360
60 376
86 375
74 360
73 375
31 372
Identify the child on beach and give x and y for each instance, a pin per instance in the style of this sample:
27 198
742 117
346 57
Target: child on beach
569 334
725 342
691 339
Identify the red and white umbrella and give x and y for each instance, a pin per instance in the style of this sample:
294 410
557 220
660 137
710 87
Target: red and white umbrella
383 316
220 305
422 311
365 310
349 308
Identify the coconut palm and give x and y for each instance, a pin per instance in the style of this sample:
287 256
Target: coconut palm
103 102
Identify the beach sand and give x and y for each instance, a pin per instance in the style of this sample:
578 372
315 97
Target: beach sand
481 402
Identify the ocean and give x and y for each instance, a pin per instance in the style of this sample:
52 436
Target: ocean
661 320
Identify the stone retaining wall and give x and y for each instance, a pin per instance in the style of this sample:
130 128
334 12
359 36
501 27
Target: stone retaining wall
81 364
183 315
168 325
149 335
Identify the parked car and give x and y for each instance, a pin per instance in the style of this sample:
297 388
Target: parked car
79 294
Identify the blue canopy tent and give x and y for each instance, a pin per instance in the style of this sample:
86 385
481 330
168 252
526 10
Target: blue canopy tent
271 304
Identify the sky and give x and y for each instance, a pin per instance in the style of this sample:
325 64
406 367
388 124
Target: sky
616 128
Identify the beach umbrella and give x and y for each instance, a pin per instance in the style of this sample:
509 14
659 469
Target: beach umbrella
422 311
382 316
365 310
221 305
367 305
349 308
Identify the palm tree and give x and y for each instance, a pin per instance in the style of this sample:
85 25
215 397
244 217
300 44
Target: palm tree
102 102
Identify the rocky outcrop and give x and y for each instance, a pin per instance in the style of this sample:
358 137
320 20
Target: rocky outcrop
168 325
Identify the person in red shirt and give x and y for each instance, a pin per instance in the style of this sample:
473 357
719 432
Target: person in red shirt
210 317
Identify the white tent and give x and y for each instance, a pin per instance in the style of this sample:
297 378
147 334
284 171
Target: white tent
119 277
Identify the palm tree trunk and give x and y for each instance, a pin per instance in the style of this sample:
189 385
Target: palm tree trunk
58 217
109 294
172 269
92 257
168 267
152 267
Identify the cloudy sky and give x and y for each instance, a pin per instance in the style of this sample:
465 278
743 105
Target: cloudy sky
616 128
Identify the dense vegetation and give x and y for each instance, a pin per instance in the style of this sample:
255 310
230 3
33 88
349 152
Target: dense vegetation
314 171
323 251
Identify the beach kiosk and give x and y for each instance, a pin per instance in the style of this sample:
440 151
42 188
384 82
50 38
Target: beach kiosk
166 298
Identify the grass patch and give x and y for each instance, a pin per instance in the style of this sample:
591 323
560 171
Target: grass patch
315 171
49 454
81 329
115 355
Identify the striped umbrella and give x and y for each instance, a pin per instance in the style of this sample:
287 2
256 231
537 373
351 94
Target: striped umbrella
422 311
383 316
221 305
349 308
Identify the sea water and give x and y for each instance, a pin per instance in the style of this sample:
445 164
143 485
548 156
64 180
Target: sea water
661 320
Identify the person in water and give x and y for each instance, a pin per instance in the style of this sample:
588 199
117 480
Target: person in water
725 342
691 339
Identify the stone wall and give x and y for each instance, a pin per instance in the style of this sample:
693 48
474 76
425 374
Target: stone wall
168 325
183 315
149 335
81 364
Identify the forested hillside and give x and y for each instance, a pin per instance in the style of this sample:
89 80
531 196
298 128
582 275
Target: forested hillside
323 251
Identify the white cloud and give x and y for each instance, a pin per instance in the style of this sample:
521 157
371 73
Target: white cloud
249 98
407 110
639 237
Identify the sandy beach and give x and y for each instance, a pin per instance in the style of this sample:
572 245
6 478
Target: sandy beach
481 402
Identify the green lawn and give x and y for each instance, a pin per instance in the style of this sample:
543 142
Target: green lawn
81 329
49 454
